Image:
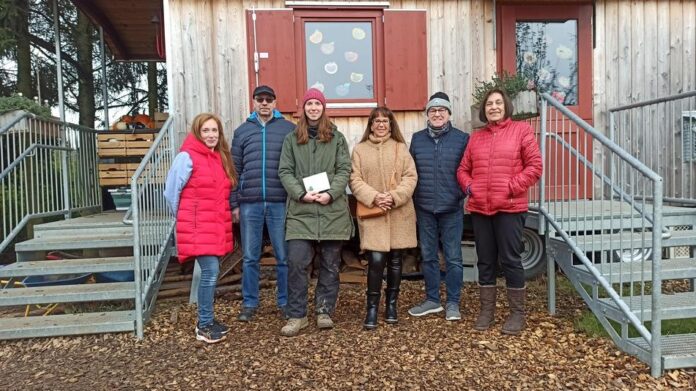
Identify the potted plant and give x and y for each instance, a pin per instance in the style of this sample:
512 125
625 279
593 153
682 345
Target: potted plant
520 90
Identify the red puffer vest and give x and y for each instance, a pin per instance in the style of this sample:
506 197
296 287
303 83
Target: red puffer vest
500 163
204 218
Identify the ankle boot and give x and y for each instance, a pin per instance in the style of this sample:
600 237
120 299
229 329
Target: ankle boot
375 270
516 320
393 284
486 316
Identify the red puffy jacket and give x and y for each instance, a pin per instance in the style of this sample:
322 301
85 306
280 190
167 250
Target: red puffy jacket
204 218
500 163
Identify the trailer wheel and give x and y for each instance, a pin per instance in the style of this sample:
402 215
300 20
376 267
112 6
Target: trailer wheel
533 254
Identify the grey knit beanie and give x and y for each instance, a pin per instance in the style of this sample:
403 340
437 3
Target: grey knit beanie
439 99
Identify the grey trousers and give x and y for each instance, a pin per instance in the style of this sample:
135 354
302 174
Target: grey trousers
300 254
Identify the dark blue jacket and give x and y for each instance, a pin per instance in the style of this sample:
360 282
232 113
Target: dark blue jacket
437 190
256 153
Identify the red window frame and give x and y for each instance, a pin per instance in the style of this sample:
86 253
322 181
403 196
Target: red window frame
334 106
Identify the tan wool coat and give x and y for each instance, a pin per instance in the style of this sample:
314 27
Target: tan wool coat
374 162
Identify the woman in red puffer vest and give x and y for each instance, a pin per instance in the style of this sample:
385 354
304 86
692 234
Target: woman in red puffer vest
501 162
198 190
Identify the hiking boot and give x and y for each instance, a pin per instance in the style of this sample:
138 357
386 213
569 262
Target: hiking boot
452 312
209 334
324 321
247 314
425 308
293 327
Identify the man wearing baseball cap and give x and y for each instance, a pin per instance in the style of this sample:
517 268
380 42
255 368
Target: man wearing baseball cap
259 199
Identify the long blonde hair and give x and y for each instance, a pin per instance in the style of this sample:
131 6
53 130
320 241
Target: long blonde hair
221 148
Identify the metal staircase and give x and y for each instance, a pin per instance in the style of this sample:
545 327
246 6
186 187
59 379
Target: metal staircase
137 248
600 206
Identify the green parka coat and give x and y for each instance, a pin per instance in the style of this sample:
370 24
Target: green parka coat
313 221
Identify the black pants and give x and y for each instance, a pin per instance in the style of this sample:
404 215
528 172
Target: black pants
499 236
325 296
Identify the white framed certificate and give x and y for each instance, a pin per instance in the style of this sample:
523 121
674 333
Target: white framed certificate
317 182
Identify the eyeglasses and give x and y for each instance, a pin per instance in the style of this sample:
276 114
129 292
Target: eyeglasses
268 99
381 122
437 110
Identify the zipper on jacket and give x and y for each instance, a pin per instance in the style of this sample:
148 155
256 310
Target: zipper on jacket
263 162
488 185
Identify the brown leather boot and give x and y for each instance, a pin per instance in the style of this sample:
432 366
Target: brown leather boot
516 320
486 316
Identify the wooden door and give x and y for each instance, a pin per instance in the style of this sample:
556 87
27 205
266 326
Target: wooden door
552 45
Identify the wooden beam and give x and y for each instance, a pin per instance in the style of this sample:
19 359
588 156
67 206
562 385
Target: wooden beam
112 36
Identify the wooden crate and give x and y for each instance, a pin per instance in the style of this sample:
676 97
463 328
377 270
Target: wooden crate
119 145
116 174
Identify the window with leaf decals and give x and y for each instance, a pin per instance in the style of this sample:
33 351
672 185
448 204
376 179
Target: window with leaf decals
547 54
339 60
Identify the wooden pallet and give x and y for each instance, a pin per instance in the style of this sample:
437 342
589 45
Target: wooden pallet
116 174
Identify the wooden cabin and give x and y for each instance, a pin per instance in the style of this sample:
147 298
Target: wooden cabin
614 52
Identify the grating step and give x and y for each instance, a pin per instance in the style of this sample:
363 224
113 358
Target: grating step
678 351
75 243
69 266
676 306
123 230
71 324
110 219
671 269
628 240
67 293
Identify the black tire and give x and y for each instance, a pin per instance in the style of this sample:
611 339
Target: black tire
533 254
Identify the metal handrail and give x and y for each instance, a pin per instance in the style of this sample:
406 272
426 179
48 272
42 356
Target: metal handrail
636 177
653 101
49 169
152 224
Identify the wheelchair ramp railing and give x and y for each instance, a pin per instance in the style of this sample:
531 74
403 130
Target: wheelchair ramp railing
47 168
152 222
602 229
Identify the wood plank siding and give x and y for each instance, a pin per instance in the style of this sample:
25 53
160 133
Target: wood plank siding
643 49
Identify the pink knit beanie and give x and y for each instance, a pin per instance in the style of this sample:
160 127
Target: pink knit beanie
313 93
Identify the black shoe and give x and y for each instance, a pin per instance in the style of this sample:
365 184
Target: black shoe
221 328
247 314
209 334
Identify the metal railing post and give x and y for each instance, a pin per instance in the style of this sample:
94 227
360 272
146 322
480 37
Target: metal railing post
656 314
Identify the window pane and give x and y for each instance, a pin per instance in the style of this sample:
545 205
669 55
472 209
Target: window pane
547 54
339 59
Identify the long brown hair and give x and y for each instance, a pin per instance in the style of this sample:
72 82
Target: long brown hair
221 148
383 111
506 101
324 128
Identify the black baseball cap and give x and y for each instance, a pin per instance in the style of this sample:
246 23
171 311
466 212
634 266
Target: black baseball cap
264 90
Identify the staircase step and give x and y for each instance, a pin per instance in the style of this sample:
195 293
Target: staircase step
70 324
110 219
676 306
67 266
123 230
628 240
678 351
75 243
67 293
678 268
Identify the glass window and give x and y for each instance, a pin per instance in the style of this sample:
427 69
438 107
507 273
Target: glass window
547 53
339 59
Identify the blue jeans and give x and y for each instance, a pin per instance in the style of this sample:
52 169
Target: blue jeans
210 268
445 229
253 216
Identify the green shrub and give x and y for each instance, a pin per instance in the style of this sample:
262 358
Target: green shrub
511 84
18 102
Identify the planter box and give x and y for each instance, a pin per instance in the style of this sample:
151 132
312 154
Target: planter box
121 197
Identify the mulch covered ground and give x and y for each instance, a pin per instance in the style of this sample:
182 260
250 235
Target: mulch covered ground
417 354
